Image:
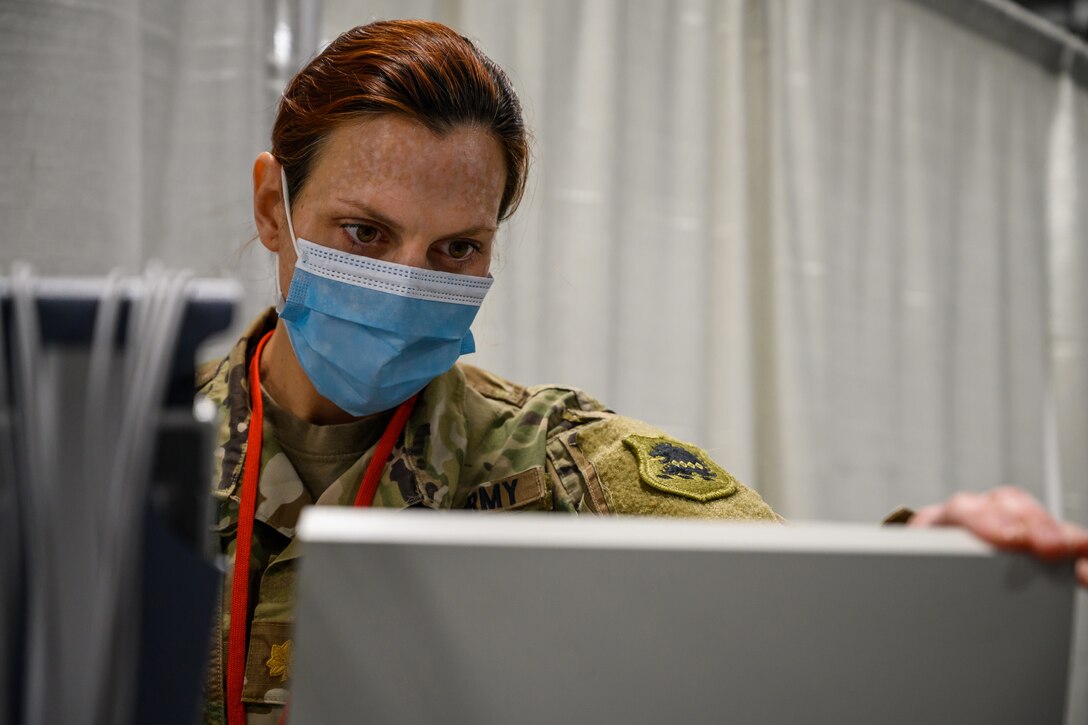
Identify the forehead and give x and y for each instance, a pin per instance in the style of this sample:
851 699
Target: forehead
396 159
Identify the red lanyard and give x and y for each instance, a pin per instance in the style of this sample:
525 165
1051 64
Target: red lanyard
239 596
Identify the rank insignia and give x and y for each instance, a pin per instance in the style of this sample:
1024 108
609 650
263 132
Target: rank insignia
680 468
279 663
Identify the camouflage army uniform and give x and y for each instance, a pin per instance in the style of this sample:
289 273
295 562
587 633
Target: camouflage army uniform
473 441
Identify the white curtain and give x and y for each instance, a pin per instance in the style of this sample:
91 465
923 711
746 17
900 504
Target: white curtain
129 129
834 242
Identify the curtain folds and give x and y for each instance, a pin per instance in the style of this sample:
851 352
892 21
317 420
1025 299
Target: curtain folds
130 127
838 244
835 243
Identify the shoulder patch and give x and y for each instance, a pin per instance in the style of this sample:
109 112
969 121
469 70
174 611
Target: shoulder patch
680 468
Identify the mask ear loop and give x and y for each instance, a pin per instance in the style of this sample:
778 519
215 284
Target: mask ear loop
287 208
281 299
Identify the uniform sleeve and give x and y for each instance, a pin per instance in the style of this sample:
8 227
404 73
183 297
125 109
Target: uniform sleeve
900 516
620 465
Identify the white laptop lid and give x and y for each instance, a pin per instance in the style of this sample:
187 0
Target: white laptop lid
418 617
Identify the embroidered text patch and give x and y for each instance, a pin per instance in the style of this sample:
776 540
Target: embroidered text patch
512 492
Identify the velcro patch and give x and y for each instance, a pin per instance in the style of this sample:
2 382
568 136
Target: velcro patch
680 468
512 492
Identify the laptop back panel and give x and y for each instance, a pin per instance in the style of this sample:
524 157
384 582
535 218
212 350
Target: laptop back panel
411 617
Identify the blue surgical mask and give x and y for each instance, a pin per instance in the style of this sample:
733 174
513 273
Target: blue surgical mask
370 334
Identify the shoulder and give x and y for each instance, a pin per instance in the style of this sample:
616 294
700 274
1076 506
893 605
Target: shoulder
642 470
223 382
491 385
208 374
601 462
544 406
215 377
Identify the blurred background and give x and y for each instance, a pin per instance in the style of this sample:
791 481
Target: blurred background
839 244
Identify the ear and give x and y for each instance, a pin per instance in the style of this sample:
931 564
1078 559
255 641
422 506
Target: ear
268 203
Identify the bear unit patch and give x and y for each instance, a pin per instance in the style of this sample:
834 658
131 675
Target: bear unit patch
680 468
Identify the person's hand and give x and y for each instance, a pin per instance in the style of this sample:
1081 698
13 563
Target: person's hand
1010 518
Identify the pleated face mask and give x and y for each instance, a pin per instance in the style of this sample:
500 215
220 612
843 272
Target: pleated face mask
370 334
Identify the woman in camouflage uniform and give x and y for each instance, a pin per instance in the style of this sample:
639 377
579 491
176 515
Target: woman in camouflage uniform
395 155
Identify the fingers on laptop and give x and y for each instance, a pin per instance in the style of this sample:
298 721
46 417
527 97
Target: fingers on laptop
1010 518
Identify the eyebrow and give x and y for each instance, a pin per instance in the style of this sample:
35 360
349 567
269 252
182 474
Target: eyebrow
377 216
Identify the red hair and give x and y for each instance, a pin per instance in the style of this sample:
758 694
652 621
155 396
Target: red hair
415 68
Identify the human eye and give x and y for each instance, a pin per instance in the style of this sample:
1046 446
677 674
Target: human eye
361 235
460 250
